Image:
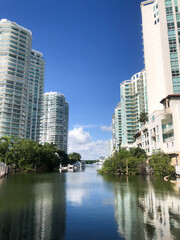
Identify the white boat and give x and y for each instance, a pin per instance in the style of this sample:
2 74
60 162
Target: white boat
70 168
62 168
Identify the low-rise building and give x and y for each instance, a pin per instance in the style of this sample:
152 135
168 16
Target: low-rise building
162 132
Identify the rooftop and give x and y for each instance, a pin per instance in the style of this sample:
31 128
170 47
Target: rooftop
169 97
5 21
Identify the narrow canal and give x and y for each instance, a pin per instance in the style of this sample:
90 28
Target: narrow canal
86 206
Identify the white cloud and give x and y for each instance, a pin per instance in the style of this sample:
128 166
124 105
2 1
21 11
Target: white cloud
80 141
106 128
86 126
76 196
78 136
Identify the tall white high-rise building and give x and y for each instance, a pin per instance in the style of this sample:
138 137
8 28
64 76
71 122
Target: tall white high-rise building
20 85
133 102
35 95
55 120
116 128
15 54
161 39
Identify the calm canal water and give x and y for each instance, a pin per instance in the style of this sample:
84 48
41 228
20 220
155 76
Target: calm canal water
86 206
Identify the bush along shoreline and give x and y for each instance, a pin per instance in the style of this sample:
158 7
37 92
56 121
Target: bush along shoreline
134 162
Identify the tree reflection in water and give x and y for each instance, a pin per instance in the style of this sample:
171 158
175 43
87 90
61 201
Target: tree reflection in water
32 207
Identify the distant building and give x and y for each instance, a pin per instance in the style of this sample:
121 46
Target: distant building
102 159
133 102
116 127
125 120
55 120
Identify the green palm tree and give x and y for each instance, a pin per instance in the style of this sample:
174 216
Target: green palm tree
143 117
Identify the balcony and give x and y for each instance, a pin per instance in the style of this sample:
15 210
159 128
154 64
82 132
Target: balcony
144 128
167 116
170 139
168 129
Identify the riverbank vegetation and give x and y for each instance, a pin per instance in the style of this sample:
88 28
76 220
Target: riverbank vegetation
125 162
134 162
161 164
29 156
74 157
91 161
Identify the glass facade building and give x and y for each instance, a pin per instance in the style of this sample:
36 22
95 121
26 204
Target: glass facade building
55 119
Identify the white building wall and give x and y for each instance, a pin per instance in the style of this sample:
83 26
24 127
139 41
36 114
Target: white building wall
155 131
175 109
156 53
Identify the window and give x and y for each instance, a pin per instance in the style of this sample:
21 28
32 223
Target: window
158 138
157 128
168 3
178 24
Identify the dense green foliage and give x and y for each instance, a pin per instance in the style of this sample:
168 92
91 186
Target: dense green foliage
161 163
27 155
73 157
134 162
125 162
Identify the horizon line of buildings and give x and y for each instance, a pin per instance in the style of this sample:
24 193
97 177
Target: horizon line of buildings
25 110
156 89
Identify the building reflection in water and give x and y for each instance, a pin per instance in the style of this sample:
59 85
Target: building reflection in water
146 209
33 207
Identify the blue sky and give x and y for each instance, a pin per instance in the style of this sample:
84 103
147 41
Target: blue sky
90 47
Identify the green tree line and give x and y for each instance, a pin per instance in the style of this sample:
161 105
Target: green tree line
125 162
134 162
27 155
